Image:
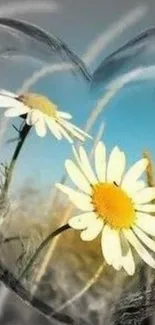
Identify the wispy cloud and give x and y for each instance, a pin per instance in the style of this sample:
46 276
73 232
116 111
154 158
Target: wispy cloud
101 103
114 87
15 8
139 74
95 48
45 70
142 73
89 56
115 30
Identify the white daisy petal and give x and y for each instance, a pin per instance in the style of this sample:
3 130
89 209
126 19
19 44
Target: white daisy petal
134 187
72 131
150 243
69 191
80 200
111 247
107 244
143 253
64 133
116 166
8 93
75 130
144 196
93 230
146 222
117 260
145 207
17 111
128 262
40 127
138 186
134 172
85 165
33 116
7 101
77 177
57 123
85 134
100 161
82 221
36 118
28 118
77 135
64 115
53 126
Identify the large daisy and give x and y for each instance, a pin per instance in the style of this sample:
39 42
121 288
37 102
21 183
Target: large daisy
113 203
42 113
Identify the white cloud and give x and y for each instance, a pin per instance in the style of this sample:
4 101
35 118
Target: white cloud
15 8
94 49
100 43
89 56
139 74
47 69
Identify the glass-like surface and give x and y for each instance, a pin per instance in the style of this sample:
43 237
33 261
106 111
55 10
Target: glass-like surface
77 177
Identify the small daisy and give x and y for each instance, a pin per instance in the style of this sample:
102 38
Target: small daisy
41 112
115 204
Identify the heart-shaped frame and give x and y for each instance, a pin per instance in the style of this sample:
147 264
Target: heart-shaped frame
48 44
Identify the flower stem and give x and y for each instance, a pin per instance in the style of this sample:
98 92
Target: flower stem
23 134
41 246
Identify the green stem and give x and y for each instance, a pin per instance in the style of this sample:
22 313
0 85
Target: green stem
41 246
23 134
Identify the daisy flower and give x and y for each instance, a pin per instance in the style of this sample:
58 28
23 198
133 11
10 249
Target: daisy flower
115 204
42 113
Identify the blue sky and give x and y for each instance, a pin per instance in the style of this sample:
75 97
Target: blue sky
129 117
129 122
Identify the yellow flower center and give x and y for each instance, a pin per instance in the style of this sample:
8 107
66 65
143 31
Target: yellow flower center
113 205
39 102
